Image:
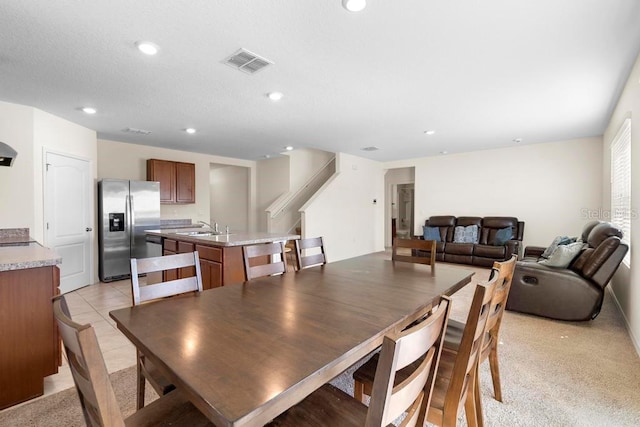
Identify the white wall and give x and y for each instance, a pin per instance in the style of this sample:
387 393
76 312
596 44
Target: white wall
305 163
129 161
17 196
548 186
343 211
32 132
272 176
625 281
229 197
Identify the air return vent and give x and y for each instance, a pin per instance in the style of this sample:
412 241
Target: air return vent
246 61
138 131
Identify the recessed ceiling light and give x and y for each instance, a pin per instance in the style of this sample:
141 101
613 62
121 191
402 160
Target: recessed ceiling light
354 5
267 156
147 48
190 130
275 96
288 148
89 110
429 132
444 152
517 140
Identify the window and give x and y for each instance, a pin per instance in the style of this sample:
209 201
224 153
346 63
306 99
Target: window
621 212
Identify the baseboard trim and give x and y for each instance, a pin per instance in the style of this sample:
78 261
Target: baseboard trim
634 339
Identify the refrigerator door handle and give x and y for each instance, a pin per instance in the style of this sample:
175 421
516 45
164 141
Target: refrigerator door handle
132 221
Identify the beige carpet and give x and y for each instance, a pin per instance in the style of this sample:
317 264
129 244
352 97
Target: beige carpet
553 374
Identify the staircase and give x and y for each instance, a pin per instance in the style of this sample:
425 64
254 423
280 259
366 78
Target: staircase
283 215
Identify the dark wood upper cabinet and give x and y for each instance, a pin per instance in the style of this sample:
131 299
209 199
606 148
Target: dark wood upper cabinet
177 180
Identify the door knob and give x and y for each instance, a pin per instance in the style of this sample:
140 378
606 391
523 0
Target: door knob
89 229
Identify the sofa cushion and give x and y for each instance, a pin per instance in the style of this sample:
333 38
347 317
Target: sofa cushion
445 223
563 255
489 251
468 234
502 236
431 233
459 248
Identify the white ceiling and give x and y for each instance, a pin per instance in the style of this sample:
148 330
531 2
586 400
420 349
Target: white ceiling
481 73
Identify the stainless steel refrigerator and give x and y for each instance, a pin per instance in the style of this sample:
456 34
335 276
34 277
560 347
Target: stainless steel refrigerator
125 210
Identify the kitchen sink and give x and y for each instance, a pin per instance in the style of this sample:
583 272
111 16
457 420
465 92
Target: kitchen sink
200 233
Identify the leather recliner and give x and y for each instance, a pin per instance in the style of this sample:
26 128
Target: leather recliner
575 292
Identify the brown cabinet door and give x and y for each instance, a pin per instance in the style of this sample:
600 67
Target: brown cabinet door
185 183
211 274
164 172
184 247
169 275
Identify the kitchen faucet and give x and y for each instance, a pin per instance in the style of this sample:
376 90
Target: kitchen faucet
215 225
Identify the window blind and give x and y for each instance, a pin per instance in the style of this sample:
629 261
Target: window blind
621 212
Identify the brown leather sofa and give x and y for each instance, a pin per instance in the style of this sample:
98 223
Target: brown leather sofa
575 292
486 250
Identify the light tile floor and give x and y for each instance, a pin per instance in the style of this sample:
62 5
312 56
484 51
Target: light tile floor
92 304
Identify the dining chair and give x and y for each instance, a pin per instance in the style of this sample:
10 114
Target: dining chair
457 371
140 294
255 256
415 244
416 349
310 260
453 337
95 391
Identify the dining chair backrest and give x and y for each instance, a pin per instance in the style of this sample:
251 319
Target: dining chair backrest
467 357
149 292
415 244
313 259
255 255
504 271
418 346
98 401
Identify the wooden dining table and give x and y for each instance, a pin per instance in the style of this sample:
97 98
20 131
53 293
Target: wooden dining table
245 353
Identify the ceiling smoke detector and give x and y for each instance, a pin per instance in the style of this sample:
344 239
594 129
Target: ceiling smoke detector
246 61
138 131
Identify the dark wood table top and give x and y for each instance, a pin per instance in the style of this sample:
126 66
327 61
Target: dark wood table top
245 353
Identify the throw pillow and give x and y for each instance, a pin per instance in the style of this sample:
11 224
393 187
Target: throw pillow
563 255
559 240
503 236
431 233
468 234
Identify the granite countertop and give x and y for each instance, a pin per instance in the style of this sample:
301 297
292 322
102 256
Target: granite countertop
232 239
19 256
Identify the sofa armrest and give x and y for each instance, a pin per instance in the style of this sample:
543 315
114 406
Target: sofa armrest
534 251
512 247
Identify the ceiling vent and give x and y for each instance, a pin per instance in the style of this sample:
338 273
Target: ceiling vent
370 149
138 131
246 61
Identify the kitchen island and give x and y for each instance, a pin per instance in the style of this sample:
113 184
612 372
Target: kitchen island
221 261
30 350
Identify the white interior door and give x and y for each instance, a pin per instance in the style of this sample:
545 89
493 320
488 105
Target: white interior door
68 224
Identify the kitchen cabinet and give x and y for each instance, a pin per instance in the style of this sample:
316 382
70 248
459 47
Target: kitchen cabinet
219 266
30 348
177 180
